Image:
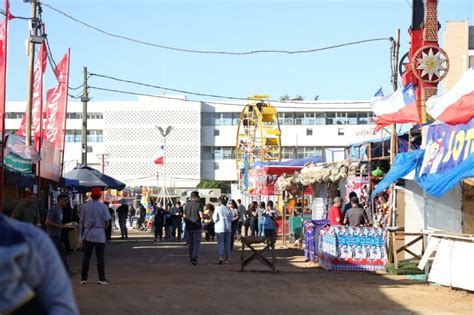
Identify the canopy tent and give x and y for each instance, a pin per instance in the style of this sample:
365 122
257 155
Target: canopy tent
88 178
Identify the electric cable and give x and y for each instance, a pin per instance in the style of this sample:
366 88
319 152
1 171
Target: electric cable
206 94
185 50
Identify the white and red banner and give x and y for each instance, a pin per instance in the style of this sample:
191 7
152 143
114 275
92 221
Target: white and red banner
37 99
56 105
456 106
397 108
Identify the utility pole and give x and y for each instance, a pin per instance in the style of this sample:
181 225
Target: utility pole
31 60
84 99
393 149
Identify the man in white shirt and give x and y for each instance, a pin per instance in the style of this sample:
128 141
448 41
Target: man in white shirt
95 218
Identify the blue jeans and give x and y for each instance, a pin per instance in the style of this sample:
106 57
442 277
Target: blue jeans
223 245
194 242
261 227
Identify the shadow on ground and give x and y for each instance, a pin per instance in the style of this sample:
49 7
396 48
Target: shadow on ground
157 278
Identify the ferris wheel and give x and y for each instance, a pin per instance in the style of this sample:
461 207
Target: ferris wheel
258 136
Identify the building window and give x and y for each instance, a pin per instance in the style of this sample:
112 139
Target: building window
235 118
471 61
89 149
299 117
94 116
286 118
340 131
309 131
15 115
223 119
216 132
216 165
352 118
95 136
330 118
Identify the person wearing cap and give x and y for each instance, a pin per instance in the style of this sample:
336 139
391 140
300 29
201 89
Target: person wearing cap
28 210
54 225
334 214
95 218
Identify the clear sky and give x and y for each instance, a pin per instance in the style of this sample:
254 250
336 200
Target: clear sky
354 72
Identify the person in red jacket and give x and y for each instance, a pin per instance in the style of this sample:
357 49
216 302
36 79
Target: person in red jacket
334 215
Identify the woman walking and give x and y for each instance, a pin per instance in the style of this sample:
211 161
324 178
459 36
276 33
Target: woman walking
235 222
254 219
208 222
269 222
222 225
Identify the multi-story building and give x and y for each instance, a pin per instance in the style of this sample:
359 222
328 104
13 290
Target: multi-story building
123 138
458 42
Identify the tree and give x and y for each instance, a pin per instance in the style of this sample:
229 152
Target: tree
284 98
209 184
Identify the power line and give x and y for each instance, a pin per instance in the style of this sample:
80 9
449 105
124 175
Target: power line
197 93
217 103
252 52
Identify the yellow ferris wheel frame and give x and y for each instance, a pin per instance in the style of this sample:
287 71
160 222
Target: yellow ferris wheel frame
258 133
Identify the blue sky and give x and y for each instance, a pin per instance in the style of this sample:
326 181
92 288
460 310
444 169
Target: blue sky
354 72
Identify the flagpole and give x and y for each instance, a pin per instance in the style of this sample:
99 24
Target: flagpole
4 100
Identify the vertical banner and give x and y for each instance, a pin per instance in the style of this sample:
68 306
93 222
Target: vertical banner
54 123
3 83
37 100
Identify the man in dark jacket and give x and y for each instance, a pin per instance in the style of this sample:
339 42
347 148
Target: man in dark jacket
193 214
159 221
122 213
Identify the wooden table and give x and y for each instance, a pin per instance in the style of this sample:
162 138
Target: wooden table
257 254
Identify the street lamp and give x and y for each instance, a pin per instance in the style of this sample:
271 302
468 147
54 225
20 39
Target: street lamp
164 194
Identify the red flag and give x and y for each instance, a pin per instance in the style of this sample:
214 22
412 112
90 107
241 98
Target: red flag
56 102
3 83
37 100
3 68
160 160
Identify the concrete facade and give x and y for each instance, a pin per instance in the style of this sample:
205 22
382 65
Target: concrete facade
202 143
458 42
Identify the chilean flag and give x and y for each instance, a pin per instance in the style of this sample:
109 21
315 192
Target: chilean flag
397 108
456 106
160 160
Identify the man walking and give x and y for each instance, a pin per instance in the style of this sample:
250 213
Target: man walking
54 225
193 214
95 218
27 211
241 208
122 213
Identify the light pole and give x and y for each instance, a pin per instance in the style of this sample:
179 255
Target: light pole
164 195
103 157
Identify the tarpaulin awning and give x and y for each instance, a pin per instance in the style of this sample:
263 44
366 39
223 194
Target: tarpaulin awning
434 184
404 164
302 162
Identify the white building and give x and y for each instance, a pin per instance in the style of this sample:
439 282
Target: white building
202 143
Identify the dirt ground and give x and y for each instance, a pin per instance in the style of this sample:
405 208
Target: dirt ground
157 278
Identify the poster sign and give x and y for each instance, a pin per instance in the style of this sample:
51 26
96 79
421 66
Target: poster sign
50 161
359 185
447 146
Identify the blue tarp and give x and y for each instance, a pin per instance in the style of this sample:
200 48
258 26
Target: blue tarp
404 163
316 159
435 184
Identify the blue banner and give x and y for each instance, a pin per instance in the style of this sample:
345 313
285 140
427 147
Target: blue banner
447 147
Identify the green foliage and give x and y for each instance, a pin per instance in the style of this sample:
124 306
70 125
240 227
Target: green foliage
208 183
